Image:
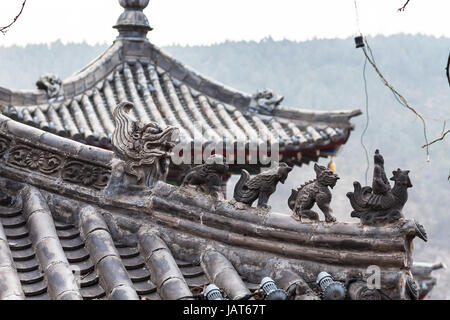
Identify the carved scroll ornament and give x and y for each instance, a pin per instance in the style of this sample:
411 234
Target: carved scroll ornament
4 144
85 174
34 159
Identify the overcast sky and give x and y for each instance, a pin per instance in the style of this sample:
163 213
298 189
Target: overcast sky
210 21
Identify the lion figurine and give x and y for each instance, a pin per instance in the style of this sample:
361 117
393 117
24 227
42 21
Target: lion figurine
315 191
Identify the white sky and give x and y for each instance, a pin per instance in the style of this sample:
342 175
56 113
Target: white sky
210 21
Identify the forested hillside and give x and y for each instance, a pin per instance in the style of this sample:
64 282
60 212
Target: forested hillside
322 74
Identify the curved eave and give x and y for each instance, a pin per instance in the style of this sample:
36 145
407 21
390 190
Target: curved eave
11 97
165 90
191 222
124 50
78 83
91 75
307 115
186 205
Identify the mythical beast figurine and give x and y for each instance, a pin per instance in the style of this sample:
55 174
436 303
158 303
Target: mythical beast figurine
145 149
380 204
208 174
315 191
260 187
52 85
265 101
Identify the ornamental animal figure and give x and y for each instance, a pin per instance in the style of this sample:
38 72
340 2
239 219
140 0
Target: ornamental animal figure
144 148
52 85
208 174
380 183
265 100
380 204
315 191
261 186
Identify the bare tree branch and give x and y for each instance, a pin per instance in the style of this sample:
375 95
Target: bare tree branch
397 95
404 6
436 140
5 28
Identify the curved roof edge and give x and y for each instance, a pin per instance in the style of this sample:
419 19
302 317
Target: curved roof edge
12 97
127 50
80 81
143 51
335 116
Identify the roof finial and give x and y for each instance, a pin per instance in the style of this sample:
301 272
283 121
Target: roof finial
132 23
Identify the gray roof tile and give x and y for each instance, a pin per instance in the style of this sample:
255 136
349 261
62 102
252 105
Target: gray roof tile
103 269
164 90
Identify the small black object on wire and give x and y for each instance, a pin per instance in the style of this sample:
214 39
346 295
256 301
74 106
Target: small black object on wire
359 42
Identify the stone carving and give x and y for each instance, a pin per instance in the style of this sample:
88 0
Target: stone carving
52 85
85 174
208 174
368 294
412 289
420 231
133 23
4 144
380 204
145 149
261 186
265 100
34 159
315 191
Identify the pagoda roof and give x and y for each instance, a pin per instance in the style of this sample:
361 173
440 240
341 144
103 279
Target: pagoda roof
166 91
74 224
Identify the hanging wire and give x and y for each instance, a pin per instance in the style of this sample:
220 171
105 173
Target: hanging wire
398 97
366 100
357 18
367 121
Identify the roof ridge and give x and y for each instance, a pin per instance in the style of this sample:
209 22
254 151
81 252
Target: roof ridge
197 80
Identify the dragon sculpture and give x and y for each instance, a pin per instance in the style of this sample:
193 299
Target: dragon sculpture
315 191
144 148
265 101
260 187
52 85
209 174
380 204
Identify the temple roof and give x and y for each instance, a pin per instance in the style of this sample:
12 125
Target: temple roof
168 92
77 223
55 247
87 250
63 211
